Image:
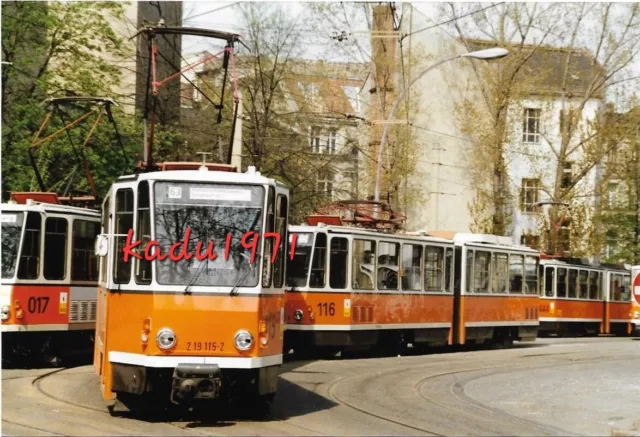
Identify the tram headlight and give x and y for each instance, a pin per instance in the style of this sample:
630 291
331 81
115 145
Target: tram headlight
5 311
243 340
298 315
166 339
636 315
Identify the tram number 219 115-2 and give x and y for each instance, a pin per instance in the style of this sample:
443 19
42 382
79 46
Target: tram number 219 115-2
205 346
37 305
326 309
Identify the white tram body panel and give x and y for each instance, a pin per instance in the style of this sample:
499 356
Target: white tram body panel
49 274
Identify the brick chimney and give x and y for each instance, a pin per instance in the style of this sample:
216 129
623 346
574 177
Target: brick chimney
384 42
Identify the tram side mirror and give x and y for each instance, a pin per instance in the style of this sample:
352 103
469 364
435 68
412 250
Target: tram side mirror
102 245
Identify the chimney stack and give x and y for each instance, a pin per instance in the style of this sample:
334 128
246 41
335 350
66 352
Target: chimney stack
384 42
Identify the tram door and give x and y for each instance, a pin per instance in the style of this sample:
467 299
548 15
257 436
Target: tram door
457 292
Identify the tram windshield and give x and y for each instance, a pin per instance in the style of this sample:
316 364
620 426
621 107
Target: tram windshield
11 229
298 267
211 212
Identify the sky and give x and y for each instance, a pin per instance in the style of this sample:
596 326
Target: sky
222 15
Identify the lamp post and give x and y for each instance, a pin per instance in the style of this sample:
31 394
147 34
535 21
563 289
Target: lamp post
487 54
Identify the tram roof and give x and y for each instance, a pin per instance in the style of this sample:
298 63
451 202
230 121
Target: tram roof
365 232
202 176
577 264
49 207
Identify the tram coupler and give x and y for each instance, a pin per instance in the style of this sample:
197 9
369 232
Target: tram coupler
195 382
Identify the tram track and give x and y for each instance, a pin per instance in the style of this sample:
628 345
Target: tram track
37 383
457 391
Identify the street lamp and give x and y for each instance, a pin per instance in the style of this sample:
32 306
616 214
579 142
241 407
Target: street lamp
487 54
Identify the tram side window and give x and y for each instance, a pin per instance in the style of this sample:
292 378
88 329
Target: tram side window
531 274
143 233
104 262
572 283
267 270
583 284
363 266
448 270
281 227
594 285
516 273
388 266
548 281
319 262
434 269
614 287
298 267
124 222
339 263
55 248
469 271
482 271
84 264
29 267
412 267
11 233
500 272
562 283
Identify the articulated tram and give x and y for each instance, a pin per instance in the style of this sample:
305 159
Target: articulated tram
49 277
581 298
355 288
195 311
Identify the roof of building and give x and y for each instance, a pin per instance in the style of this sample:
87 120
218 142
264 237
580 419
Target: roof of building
544 71
324 88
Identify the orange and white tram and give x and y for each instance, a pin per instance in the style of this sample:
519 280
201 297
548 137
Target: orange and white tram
436 291
350 288
196 318
49 277
581 298
496 290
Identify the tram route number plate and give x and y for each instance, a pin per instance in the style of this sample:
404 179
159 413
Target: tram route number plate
206 346
63 302
347 308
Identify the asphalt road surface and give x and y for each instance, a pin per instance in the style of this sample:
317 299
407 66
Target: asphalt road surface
560 387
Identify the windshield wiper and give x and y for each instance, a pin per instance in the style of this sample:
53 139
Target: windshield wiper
251 269
196 275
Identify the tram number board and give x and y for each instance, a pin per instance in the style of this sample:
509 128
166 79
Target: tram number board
326 309
205 346
37 305
544 308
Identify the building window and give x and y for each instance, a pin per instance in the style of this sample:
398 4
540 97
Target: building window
315 140
331 142
531 126
324 183
567 174
529 194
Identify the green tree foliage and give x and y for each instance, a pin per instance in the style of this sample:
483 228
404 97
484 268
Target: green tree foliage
59 49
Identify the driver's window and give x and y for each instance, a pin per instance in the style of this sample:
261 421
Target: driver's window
319 262
388 266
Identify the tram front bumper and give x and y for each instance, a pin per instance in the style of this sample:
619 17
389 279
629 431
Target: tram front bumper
195 382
